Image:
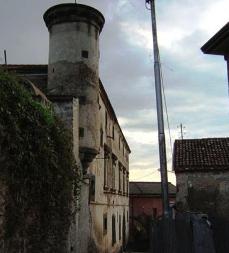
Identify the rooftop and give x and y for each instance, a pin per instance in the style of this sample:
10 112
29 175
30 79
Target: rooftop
219 43
149 188
201 154
71 12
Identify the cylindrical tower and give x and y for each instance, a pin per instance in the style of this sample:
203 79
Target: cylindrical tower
73 66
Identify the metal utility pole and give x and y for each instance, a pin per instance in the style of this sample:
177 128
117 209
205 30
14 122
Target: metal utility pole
161 133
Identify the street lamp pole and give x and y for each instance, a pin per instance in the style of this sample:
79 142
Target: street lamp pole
160 120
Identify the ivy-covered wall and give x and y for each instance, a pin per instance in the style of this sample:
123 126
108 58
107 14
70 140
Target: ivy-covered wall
38 174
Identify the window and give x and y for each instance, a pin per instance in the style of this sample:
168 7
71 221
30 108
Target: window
113 132
119 177
154 212
92 189
114 161
127 182
101 137
82 100
123 181
105 168
84 53
81 132
106 121
120 228
113 231
105 223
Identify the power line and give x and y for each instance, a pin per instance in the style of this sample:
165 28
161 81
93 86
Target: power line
167 115
131 3
149 174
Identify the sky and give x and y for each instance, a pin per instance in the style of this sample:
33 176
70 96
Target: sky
195 85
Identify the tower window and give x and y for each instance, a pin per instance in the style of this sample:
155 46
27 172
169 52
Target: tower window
84 53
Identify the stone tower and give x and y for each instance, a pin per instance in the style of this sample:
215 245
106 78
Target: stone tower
73 70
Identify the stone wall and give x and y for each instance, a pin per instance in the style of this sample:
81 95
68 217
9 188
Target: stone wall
206 192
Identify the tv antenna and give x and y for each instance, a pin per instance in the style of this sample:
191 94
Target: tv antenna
182 133
5 57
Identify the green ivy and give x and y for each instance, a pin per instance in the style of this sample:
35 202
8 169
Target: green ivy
38 168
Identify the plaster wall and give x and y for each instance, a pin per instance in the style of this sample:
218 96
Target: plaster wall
71 72
110 202
151 205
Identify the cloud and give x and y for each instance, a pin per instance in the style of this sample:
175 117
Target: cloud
195 84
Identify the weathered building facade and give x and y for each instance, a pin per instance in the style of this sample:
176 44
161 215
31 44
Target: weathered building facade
145 198
145 204
202 173
71 82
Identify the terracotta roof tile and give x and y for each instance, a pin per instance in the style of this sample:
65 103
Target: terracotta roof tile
201 154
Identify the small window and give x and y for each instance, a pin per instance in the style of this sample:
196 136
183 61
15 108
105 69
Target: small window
101 137
106 121
81 132
113 132
84 53
105 223
106 167
82 100
120 228
123 181
92 189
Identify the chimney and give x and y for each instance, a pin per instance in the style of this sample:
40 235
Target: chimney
73 69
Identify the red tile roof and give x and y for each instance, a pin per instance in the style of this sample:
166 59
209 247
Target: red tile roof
201 154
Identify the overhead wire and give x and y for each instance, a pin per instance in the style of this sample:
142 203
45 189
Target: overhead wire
151 173
166 111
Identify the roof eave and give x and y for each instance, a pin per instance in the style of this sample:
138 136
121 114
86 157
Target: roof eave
201 169
218 44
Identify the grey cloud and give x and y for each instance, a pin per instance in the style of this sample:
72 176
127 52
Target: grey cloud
194 83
